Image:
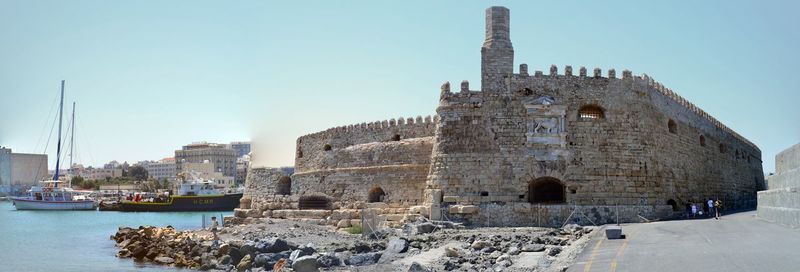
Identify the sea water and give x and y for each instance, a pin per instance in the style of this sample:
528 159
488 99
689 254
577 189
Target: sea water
78 240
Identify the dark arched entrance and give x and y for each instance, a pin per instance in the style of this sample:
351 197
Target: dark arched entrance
546 190
284 186
376 195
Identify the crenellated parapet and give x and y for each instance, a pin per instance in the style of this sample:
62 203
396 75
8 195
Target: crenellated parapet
470 96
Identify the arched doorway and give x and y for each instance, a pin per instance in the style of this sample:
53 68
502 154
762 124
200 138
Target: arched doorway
546 190
376 195
284 186
674 205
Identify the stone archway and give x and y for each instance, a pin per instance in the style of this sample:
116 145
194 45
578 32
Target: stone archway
376 195
546 190
284 186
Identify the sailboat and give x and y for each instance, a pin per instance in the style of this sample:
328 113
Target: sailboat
53 194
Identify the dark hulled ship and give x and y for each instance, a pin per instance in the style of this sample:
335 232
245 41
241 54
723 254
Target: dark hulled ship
191 197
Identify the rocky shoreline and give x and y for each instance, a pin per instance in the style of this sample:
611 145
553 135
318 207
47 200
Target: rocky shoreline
285 245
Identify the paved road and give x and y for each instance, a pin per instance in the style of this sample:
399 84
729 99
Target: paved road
737 242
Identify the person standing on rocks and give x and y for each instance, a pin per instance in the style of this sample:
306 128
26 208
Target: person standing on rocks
214 226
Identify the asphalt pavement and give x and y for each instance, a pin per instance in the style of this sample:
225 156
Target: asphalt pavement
737 242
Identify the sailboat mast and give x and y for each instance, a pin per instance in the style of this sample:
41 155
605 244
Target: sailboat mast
60 115
72 142
72 137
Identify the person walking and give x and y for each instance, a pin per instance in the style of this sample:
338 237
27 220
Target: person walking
717 206
694 210
710 203
688 209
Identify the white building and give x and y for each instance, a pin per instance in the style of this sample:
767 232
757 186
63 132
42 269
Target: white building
206 170
19 171
159 170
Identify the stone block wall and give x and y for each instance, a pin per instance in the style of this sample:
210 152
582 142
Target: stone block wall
781 201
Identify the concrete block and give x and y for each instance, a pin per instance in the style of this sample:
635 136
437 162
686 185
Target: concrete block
613 232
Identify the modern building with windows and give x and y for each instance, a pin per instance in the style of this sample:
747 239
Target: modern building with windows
163 169
221 156
242 148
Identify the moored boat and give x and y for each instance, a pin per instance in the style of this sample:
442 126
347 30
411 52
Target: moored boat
51 196
194 196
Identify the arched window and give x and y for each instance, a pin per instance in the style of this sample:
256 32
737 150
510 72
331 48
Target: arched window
546 190
673 204
702 140
396 137
721 148
326 147
314 202
376 195
673 127
591 112
284 186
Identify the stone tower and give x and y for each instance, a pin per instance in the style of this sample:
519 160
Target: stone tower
497 54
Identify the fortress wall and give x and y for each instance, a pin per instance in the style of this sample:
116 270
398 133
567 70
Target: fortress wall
402 184
787 160
311 154
629 158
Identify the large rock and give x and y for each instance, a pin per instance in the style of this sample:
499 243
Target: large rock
451 252
245 263
425 227
236 255
273 246
328 261
305 264
363 259
533 248
480 244
397 245
417 267
267 260
297 253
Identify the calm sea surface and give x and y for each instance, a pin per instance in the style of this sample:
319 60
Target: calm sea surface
76 240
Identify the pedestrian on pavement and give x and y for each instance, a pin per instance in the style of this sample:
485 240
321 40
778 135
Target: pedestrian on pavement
688 209
694 210
717 207
710 207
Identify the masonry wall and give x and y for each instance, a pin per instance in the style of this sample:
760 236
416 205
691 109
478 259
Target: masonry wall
781 202
485 151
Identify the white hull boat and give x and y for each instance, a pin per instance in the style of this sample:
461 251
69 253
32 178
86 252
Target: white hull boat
28 204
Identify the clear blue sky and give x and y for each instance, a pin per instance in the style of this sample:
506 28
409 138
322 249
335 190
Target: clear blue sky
150 76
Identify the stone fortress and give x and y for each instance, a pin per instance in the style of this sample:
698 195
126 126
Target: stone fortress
781 201
526 149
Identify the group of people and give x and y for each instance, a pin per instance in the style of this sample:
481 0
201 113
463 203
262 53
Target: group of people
707 208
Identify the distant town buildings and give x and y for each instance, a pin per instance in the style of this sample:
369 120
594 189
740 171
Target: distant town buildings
221 156
162 169
206 170
242 148
19 171
242 164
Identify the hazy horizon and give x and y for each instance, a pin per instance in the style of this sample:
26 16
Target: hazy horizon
151 76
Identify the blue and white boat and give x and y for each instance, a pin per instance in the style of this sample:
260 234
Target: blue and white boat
53 194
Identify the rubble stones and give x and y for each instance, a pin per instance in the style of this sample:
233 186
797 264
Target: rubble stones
363 259
397 245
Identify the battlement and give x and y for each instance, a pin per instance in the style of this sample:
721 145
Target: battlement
611 74
378 125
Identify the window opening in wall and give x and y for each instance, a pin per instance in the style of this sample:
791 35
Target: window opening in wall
484 193
546 190
674 205
376 195
521 196
721 148
591 112
327 147
314 202
284 186
396 137
299 153
702 140
673 127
